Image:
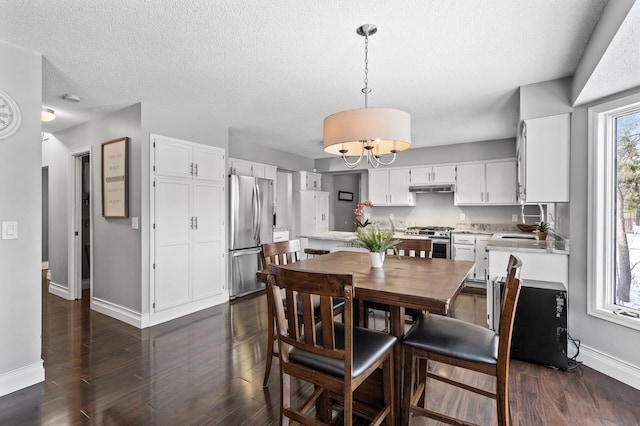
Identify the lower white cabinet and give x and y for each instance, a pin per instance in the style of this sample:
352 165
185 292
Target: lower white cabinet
473 248
312 209
189 241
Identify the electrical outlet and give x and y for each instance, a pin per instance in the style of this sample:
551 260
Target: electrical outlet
390 216
134 223
463 216
514 218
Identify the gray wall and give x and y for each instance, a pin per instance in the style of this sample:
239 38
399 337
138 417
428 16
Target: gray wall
342 217
430 209
20 201
614 340
260 154
116 247
475 151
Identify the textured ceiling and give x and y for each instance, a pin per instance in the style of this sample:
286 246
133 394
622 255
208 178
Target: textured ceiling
271 71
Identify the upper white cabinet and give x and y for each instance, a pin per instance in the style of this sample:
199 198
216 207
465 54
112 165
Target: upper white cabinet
390 187
443 173
187 160
490 183
250 168
543 159
304 181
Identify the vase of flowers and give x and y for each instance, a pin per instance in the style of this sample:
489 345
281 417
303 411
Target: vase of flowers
359 213
377 240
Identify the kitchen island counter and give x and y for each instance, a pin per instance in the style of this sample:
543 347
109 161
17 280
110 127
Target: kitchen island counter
554 246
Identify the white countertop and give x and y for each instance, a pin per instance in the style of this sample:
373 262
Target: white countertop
532 246
348 236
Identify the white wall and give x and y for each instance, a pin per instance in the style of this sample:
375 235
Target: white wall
20 201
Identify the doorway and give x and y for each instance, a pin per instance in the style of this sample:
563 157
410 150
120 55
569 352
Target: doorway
81 253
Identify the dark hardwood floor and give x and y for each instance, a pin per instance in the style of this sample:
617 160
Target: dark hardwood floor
206 369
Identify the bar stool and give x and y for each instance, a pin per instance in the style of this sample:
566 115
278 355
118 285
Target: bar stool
315 252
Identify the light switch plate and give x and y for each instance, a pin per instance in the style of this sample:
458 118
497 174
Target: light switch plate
134 223
9 230
514 218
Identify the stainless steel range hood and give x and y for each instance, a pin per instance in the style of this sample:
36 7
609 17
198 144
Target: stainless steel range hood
429 189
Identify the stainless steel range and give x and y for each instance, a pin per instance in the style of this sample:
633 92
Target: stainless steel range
440 236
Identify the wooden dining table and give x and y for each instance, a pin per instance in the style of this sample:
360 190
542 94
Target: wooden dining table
402 282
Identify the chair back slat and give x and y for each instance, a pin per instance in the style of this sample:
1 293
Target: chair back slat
507 316
280 253
307 285
414 247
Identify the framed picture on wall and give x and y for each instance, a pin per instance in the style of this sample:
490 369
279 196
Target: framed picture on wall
115 170
345 196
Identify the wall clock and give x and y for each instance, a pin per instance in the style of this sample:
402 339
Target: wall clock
10 117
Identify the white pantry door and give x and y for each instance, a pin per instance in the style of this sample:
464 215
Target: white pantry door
173 242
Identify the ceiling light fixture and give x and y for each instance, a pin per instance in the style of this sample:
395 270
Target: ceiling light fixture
370 132
47 115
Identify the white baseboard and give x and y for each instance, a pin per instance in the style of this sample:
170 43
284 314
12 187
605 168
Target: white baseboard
116 311
60 291
20 378
158 317
612 367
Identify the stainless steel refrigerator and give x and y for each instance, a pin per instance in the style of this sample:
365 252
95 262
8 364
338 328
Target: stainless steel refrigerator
251 217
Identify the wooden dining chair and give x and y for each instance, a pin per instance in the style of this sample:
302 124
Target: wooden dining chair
410 248
280 253
335 357
417 247
460 344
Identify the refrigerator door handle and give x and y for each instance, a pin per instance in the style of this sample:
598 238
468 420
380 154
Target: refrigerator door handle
246 252
254 211
258 217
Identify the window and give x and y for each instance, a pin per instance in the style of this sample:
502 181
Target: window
614 211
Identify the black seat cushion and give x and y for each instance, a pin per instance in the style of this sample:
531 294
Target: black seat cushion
451 337
368 347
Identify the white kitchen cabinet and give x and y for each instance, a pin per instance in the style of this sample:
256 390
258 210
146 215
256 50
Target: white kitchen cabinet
390 187
189 241
188 229
183 159
482 258
487 183
543 159
470 184
251 168
313 211
442 173
472 247
303 181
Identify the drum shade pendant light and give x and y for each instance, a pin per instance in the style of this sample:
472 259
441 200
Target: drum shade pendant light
367 132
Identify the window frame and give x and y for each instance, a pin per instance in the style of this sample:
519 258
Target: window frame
602 175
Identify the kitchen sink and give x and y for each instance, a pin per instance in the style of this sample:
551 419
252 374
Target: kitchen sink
515 236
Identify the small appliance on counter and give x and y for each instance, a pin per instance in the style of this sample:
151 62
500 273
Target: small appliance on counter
251 215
